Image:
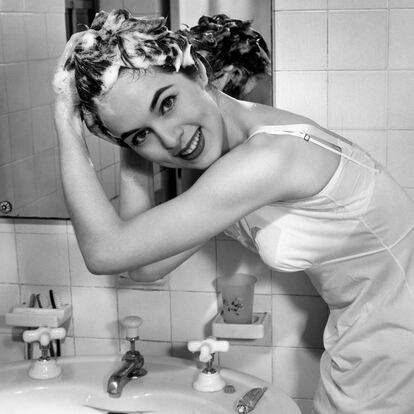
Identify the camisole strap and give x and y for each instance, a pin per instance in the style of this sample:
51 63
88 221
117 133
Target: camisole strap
310 133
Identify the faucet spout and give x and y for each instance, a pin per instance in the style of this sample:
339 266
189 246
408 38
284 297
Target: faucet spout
131 368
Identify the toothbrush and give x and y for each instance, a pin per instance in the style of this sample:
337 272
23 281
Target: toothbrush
53 303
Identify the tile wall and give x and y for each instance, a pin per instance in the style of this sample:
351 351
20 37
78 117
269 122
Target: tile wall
350 57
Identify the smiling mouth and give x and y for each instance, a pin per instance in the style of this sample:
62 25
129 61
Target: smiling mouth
194 148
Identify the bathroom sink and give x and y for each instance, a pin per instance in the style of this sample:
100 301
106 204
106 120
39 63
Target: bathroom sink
166 389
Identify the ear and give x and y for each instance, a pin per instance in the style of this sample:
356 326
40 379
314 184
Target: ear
202 74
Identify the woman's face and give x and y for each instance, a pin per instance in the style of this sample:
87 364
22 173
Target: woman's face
166 118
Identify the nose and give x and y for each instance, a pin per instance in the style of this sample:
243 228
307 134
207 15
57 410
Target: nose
170 136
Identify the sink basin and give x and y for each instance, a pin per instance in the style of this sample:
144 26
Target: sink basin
166 389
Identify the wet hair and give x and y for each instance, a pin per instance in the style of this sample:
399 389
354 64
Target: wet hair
117 42
236 53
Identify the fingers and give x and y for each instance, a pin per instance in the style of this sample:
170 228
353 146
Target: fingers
63 81
69 48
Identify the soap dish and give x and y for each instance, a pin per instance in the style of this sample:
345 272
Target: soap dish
256 330
35 317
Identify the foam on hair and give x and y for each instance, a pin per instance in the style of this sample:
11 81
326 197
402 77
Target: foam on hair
118 40
235 52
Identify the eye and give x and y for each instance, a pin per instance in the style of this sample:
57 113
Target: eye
167 104
140 136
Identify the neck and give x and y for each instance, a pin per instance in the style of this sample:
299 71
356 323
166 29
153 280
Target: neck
238 119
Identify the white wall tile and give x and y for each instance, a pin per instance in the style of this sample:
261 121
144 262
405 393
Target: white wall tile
20 129
5 146
56 33
43 127
107 179
6 225
45 174
298 321
24 184
1 43
233 258
191 315
67 346
296 371
374 142
17 86
300 40
304 93
405 4
8 258
96 346
92 143
410 192
152 306
45 6
41 226
40 84
401 55
198 273
3 94
95 312
300 4
43 259
107 153
357 4
358 39
357 100
11 5
9 296
11 349
6 183
400 156
401 100
35 33
13 38
252 360
292 283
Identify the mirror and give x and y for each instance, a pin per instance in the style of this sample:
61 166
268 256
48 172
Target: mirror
33 36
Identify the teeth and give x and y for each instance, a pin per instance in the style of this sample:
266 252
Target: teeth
193 145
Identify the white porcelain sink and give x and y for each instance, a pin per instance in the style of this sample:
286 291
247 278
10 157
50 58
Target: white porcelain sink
166 389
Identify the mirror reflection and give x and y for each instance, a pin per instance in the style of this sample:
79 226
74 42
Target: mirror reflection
33 38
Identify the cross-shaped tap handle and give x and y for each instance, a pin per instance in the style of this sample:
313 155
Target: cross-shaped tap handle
208 347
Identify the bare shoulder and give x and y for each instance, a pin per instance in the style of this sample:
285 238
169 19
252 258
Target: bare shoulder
259 171
301 168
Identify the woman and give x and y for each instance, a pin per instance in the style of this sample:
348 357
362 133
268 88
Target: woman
301 196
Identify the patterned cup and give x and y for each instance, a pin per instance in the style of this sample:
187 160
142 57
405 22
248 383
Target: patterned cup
237 293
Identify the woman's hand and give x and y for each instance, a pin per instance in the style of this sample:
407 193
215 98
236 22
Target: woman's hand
63 80
67 117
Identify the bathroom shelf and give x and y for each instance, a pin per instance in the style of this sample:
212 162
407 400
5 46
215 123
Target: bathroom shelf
255 330
35 317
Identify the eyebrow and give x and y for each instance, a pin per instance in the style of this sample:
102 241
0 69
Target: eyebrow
152 106
157 95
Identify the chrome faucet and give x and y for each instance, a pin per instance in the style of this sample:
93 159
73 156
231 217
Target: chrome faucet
133 361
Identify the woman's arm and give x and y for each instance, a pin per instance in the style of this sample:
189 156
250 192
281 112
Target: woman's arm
136 196
247 178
